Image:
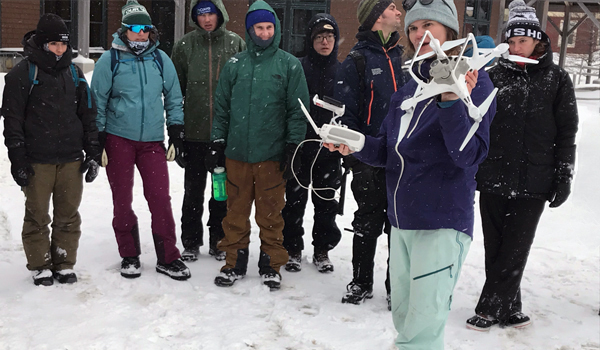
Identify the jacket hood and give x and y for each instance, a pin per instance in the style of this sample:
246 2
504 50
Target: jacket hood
223 20
308 45
251 46
119 41
45 60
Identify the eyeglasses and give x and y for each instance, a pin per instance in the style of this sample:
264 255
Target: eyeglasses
136 28
329 37
408 4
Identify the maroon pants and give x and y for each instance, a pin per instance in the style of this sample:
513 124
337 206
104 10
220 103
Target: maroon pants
149 157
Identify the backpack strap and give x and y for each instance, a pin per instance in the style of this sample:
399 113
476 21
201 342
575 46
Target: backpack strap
158 60
361 66
115 60
33 73
77 80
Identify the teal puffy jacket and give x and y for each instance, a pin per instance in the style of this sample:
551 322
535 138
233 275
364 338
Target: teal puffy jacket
130 103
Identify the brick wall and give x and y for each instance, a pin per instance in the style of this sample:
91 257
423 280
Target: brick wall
18 18
113 13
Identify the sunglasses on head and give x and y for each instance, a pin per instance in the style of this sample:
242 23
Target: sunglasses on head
408 4
136 28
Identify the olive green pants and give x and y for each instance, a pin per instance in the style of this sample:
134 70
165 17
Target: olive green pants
64 184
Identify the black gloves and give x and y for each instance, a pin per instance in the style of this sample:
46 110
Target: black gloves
20 168
350 162
176 149
103 161
563 176
215 157
90 167
559 194
286 164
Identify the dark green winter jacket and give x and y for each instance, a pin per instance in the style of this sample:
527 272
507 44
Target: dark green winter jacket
256 106
199 58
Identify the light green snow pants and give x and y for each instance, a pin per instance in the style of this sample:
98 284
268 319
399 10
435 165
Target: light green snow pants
424 269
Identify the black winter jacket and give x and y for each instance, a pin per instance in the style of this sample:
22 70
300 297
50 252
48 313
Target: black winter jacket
383 77
54 122
320 72
532 136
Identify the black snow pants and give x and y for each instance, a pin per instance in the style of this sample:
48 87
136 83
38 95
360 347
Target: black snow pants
370 220
509 226
326 173
193 201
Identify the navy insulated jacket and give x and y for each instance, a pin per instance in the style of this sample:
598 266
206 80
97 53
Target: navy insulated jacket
383 76
430 182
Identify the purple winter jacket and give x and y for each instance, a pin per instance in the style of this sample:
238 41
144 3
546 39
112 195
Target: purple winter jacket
430 183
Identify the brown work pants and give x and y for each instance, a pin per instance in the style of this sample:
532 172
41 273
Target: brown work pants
261 183
64 183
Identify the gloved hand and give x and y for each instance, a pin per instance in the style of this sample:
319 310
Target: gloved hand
90 167
215 157
559 194
176 149
350 162
286 164
103 157
20 168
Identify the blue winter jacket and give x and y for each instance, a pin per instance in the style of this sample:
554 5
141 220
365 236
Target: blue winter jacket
383 76
430 183
130 103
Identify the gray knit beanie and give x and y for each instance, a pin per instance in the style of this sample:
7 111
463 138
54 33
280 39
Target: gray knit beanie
522 21
442 11
368 12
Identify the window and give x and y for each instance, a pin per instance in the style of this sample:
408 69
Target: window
294 16
67 10
98 24
571 39
477 17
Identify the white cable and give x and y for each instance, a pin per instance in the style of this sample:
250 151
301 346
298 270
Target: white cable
336 193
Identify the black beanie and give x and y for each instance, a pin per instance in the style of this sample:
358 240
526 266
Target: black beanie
51 28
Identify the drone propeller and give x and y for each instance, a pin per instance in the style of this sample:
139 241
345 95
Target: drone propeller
483 107
447 45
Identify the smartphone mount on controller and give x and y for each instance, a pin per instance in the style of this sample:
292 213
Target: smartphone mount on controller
335 132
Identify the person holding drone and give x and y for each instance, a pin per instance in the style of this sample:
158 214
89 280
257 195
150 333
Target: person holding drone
430 182
531 161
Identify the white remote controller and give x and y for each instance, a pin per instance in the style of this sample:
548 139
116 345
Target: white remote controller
336 134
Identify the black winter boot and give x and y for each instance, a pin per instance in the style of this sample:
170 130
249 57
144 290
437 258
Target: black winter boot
65 276
42 277
294 263
356 293
131 267
176 270
228 277
322 262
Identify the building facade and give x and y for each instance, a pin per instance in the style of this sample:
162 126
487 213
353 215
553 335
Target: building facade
171 18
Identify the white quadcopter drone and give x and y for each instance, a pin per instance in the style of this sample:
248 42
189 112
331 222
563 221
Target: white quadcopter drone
448 75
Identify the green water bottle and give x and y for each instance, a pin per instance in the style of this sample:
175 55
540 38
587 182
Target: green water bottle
219 179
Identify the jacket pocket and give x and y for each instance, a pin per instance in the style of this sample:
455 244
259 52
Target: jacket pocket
540 172
489 174
449 267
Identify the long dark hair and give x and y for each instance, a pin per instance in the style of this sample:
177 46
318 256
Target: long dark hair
450 35
540 48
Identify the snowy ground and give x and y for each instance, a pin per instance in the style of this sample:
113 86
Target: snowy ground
105 311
